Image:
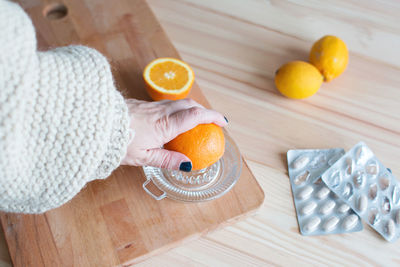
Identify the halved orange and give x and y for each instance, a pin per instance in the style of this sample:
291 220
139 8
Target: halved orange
168 78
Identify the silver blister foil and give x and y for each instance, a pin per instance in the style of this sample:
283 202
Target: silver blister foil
319 210
369 188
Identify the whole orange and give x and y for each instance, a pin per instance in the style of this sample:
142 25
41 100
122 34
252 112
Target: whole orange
203 145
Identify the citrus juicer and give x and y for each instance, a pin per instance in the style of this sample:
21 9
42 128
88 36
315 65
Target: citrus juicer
199 185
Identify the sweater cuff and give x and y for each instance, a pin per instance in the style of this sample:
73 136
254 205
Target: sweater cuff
119 139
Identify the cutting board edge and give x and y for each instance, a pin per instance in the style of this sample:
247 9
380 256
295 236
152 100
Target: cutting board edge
170 246
163 249
192 237
256 181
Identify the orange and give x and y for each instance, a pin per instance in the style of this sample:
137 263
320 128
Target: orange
298 79
330 56
203 145
168 78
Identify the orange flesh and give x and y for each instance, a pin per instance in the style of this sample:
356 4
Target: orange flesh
169 75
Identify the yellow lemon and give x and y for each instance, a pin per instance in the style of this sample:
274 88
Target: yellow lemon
298 79
330 56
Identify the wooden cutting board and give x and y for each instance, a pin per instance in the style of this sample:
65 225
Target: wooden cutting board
113 221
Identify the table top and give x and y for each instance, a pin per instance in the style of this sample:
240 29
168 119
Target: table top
234 48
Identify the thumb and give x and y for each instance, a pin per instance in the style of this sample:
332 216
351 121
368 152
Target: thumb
184 120
167 159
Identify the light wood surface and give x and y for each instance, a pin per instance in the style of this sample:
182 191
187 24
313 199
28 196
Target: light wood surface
235 47
114 222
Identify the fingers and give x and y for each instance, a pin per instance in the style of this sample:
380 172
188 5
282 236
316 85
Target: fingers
184 120
174 106
162 158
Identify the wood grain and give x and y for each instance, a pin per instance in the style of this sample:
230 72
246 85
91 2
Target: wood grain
235 46
113 222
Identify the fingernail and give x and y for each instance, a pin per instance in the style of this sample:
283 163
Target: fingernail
226 119
185 166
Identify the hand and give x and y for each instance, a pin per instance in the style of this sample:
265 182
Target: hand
156 123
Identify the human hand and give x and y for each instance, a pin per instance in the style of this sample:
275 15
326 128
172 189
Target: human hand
157 123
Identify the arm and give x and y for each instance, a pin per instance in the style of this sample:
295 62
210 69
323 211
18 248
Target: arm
62 122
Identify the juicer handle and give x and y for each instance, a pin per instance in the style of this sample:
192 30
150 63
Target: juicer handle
163 195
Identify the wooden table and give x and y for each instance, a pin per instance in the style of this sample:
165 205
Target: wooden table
235 48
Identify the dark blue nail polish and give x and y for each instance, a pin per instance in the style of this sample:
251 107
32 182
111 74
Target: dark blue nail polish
389 170
226 119
185 166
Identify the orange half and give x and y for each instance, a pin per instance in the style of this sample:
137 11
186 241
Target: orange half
168 78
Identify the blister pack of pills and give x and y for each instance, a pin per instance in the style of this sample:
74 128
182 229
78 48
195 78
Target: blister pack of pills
369 188
319 210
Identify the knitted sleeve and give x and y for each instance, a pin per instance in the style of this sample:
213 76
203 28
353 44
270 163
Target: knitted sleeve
62 122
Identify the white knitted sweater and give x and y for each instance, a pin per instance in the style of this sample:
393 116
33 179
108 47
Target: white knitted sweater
62 122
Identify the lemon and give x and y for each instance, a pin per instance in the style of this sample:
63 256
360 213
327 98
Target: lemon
330 56
298 79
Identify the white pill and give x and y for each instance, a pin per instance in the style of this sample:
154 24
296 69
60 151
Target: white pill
328 207
331 224
300 162
306 192
343 208
397 218
322 193
312 224
350 221
390 228
309 208
362 203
